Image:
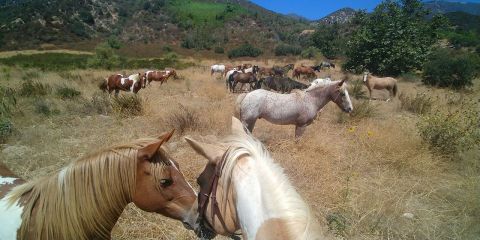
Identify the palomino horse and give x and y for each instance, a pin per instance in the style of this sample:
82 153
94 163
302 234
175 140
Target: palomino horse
117 82
217 68
160 76
388 83
282 71
299 108
86 198
302 70
243 188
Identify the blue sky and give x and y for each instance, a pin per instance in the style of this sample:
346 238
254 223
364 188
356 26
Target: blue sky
316 9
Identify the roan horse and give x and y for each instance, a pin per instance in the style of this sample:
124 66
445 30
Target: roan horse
298 108
388 83
159 76
85 199
241 187
117 82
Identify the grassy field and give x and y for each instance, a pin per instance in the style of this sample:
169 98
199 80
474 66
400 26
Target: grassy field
366 176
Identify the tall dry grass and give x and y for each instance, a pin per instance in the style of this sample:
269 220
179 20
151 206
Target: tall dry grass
370 178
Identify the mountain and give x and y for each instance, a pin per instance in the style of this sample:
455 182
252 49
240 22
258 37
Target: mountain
464 21
199 24
449 6
340 16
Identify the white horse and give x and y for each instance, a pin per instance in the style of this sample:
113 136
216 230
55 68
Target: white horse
242 187
298 108
217 69
228 74
320 82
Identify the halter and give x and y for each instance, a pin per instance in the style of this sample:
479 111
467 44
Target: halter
211 193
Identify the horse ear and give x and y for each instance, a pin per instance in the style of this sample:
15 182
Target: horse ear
147 152
211 152
341 83
237 127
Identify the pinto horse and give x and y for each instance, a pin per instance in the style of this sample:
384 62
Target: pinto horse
302 70
299 108
85 199
159 76
243 188
388 83
117 82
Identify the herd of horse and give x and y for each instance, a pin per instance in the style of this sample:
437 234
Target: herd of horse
135 82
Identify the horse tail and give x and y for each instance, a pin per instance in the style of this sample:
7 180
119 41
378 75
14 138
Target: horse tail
395 89
104 85
237 112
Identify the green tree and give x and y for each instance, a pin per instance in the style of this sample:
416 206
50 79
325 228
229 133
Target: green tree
326 38
392 40
105 57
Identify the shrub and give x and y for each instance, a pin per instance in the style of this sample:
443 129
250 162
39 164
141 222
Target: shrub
310 52
127 105
410 77
184 119
356 89
48 61
30 75
34 88
45 108
6 73
246 50
99 104
70 76
285 50
451 132
167 48
419 104
219 50
105 57
7 103
6 129
65 92
447 68
361 109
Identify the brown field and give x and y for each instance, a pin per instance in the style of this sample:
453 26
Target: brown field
360 175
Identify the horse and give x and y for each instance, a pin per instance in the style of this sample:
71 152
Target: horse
281 71
253 69
266 71
228 68
159 76
388 83
85 199
227 77
298 108
217 68
282 84
117 82
302 70
316 68
240 77
243 188
320 81
327 65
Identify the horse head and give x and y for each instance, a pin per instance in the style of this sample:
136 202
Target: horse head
143 79
339 95
365 75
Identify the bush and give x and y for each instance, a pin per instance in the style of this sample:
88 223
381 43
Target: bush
219 50
48 61
246 50
410 77
99 104
127 105
361 109
447 68
356 89
184 119
105 57
65 92
419 104
451 132
6 129
6 73
285 50
167 48
310 52
34 88
45 108
7 103
70 76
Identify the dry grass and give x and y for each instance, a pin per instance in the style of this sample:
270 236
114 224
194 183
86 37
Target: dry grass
360 177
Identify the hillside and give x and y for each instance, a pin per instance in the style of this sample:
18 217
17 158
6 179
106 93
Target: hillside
82 24
464 21
446 7
340 16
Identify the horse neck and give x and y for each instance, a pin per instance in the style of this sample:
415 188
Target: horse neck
320 96
67 204
263 195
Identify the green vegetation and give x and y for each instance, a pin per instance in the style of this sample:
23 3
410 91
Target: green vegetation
48 61
447 68
392 40
328 39
105 57
66 92
286 50
34 88
245 50
128 105
421 103
310 53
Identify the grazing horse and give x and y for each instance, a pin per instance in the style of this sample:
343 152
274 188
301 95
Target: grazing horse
388 83
159 76
266 71
243 188
240 77
282 84
117 82
85 199
327 65
217 69
299 108
302 70
282 71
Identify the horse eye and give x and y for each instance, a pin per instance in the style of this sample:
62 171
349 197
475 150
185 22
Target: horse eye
166 182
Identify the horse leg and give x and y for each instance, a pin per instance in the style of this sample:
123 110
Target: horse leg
250 124
117 92
299 130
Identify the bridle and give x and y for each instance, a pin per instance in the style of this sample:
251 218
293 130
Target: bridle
210 194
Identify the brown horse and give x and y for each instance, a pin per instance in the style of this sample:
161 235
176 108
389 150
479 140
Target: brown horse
85 199
117 82
388 83
240 77
160 76
266 71
304 70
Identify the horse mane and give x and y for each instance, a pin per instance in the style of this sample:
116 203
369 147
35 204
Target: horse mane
285 199
85 198
311 88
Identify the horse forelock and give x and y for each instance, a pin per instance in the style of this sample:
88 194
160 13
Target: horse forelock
90 207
